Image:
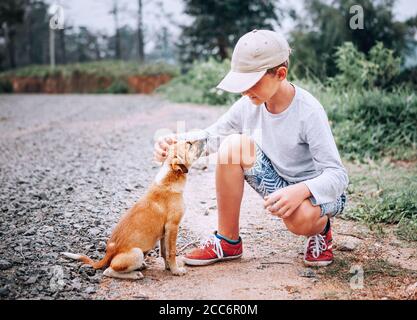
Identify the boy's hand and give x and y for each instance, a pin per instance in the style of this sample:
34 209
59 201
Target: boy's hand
283 202
161 148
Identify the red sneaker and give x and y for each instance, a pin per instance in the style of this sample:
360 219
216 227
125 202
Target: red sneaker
318 250
213 250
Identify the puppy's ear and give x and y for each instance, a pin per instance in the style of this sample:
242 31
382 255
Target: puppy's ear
178 167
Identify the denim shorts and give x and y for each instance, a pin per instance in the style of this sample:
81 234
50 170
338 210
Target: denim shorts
264 179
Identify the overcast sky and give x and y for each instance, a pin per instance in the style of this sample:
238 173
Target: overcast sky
95 14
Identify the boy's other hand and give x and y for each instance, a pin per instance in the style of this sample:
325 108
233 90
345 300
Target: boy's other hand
161 148
283 202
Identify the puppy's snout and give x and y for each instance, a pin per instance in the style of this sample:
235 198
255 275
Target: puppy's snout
199 146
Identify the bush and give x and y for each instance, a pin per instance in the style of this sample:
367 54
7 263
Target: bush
118 86
198 85
358 71
375 124
5 86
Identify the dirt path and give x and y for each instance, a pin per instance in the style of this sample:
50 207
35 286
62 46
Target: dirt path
71 164
271 267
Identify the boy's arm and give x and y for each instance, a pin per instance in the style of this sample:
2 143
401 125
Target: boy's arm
333 180
230 122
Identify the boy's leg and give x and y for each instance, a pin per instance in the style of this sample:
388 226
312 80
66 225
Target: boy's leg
314 222
236 153
306 220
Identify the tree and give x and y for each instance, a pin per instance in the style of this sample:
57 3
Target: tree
219 23
11 15
327 26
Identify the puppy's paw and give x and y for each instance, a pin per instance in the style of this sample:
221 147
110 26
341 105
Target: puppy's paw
136 275
179 271
180 262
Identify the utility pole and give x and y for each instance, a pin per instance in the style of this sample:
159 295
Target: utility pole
141 53
115 12
52 47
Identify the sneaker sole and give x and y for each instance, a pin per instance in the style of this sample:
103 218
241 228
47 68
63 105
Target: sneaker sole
199 262
317 263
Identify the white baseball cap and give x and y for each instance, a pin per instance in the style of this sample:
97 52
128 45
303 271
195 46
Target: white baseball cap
255 53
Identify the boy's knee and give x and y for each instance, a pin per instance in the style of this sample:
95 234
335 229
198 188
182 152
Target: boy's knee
237 149
303 220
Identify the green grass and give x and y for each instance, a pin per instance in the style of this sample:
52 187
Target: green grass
384 193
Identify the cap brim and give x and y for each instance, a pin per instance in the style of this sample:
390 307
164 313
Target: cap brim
238 82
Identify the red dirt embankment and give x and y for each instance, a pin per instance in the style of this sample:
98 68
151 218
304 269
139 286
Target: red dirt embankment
85 83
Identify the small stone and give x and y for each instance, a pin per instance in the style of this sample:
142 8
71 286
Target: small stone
76 284
32 280
90 290
101 246
87 270
412 291
141 297
30 232
207 211
43 196
4 292
348 245
307 273
4 264
94 232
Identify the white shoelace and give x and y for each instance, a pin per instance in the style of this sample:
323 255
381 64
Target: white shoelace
317 245
215 242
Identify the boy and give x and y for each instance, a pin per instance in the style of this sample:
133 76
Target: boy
279 140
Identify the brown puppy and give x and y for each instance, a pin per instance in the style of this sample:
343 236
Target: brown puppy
153 218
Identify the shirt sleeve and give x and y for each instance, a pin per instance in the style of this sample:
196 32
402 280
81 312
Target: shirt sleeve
333 180
229 123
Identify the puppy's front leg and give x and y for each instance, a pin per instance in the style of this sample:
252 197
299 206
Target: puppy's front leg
163 251
171 231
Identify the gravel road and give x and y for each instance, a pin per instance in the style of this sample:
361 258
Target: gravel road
69 167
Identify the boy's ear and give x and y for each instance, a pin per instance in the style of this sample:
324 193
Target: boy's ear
178 167
282 73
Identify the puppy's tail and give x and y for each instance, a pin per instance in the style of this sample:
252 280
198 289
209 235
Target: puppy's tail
83 258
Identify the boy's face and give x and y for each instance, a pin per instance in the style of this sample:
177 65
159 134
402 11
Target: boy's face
265 88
